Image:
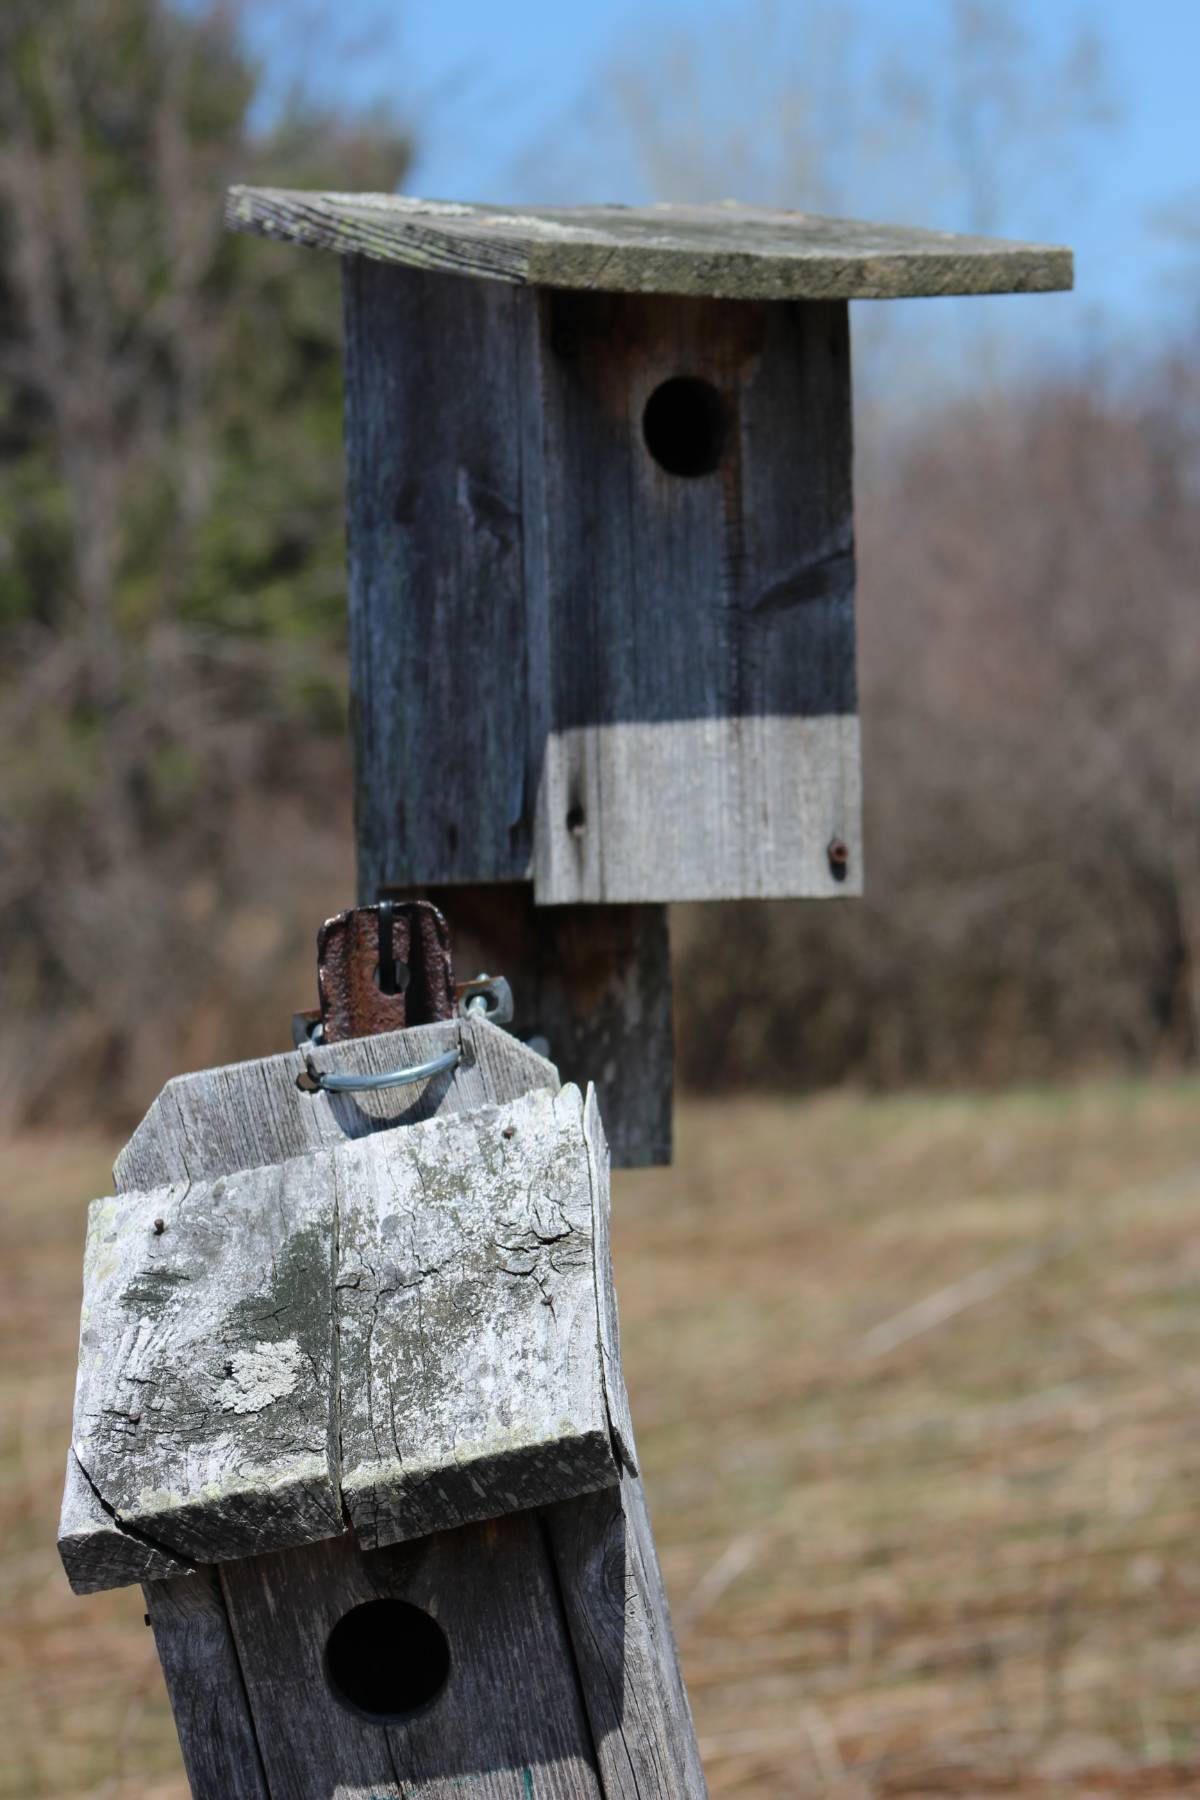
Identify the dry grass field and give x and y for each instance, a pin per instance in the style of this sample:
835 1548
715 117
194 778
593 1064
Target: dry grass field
917 1386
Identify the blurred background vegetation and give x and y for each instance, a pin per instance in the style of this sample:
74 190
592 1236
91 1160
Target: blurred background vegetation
174 790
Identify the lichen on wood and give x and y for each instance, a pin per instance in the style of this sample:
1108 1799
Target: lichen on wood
402 1332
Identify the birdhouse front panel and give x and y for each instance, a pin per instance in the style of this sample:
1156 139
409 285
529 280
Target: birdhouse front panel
617 529
696 593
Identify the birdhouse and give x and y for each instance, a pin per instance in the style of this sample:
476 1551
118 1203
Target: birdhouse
601 549
350 1407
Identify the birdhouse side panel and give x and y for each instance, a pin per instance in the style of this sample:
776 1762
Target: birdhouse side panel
440 693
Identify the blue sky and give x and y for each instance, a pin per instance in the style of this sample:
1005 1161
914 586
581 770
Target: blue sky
514 102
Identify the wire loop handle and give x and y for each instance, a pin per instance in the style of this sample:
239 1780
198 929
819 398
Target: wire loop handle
487 997
368 1084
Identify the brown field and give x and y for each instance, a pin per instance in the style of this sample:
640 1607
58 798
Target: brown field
917 1389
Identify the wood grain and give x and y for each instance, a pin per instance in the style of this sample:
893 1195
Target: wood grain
435 541
727 251
237 1117
509 1721
213 1123
404 1330
616 1396
471 1377
99 1551
704 738
205 1402
196 1650
620 1627
563 1676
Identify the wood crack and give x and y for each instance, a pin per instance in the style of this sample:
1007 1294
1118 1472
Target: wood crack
138 1535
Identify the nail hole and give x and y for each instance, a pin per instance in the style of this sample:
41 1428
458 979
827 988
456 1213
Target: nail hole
684 426
387 1660
575 821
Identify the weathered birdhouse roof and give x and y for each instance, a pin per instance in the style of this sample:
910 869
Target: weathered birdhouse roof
395 1334
724 251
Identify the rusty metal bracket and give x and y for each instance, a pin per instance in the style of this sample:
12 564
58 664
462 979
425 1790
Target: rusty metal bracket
380 968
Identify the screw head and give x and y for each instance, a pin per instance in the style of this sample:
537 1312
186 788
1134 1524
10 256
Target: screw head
839 859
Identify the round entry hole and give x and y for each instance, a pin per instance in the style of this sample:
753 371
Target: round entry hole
684 426
387 1660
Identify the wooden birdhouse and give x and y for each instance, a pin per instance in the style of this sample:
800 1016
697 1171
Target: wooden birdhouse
350 1406
601 547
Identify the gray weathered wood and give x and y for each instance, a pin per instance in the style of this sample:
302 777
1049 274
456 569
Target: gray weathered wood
660 668
614 1597
218 1121
729 251
620 1628
196 1650
205 1403
245 1114
562 1662
595 983
209 1683
703 741
442 734
509 1722
98 1551
470 1373
616 1397
427 1296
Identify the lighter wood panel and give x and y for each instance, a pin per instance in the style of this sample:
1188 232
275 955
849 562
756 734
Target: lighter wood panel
712 839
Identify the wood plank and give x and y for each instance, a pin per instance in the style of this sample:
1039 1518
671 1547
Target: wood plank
595 983
436 586
507 1724
620 1627
704 739
98 1551
205 1404
471 1378
616 1396
614 1597
728 251
196 1650
220 1120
